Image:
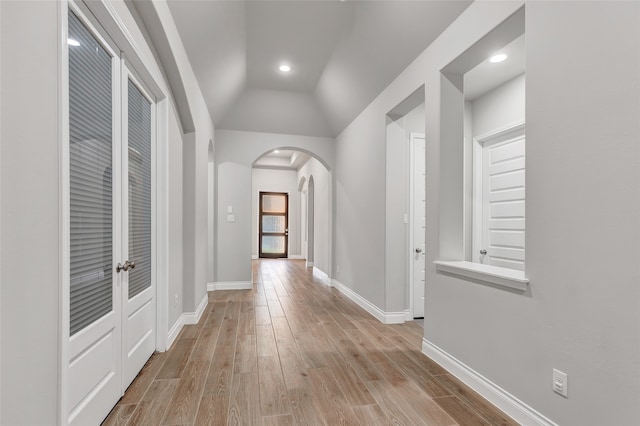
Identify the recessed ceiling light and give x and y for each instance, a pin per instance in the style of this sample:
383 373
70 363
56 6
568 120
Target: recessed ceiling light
284 68
73 42
498 58
275 151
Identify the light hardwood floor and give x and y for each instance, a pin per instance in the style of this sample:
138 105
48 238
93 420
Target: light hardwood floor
294 351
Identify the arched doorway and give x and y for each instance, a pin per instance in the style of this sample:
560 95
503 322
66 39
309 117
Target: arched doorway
307 181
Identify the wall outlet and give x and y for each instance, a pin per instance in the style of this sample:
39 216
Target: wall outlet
560 383
175 301
405 218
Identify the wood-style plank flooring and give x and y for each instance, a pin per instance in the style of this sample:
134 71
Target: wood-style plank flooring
294 351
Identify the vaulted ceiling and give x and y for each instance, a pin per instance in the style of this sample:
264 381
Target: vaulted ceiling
341 53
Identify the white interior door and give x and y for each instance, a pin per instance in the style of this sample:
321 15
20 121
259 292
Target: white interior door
503 201
111 305
138 289
418 224
94 363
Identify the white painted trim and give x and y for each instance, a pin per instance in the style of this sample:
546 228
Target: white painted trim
174 331
162 227
254 257
476 191
296 257
379 314
509 404
309 264
504 277
322 275
194 317
64 301
186 318
230 285
411 223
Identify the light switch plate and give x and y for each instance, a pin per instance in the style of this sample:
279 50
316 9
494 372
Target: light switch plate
231 218
229 209
560 383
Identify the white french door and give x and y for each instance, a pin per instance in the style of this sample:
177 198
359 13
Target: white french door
111 304
138 291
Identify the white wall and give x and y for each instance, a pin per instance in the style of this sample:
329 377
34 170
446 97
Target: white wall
322 211
583 184
235 153
268 180
501 107
30 212
195 166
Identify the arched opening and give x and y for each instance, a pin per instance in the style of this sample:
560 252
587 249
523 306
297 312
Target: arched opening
307 182
210 213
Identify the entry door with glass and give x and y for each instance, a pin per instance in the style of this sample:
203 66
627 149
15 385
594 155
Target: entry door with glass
274 226
111 300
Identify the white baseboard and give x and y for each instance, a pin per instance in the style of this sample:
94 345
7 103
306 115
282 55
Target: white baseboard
309 264
408 316
175 330
321 275
296 256
230 285
512 406
379 314
186 318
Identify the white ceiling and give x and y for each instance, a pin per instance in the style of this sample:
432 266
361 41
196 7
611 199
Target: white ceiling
486 76
342 55
284 159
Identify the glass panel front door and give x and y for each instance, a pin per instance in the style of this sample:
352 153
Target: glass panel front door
274 232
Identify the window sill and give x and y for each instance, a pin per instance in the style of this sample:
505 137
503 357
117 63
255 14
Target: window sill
492 274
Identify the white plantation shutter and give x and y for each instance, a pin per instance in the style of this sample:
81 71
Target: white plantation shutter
91 188
139 119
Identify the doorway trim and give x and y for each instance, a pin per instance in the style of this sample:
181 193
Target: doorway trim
285 234
411 222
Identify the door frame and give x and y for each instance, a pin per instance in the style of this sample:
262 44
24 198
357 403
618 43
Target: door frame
286 225
97 16
502 134
411 217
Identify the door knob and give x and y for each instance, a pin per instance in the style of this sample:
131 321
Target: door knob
483 252
418 250
127 265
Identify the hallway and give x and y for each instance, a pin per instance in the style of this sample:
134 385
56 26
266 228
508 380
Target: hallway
293 351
